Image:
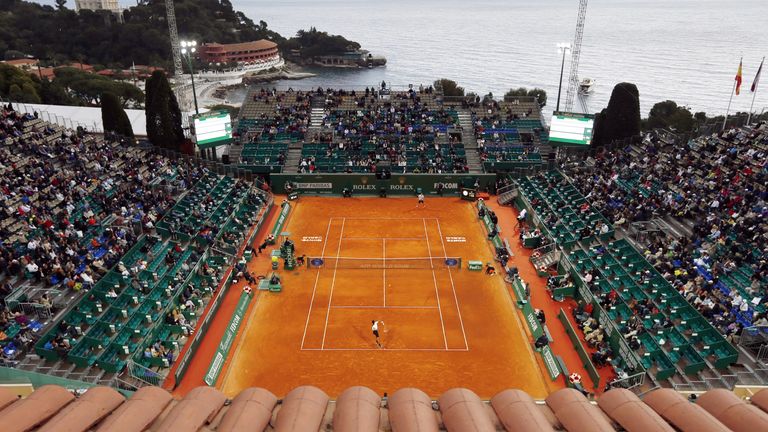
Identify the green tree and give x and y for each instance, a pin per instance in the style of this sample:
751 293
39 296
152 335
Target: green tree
668 114
513 94
60 4
16 94
30 93
540 95
598 129
89 87
18 85
54 94
113 116
163 113
536 93
449 87
48 32
312 43
621 119
13 55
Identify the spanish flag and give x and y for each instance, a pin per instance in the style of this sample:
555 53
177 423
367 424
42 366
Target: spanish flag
738 79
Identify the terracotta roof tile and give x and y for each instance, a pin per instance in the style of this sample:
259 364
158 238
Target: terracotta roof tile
261 44
198 408
303 409
96 404
733 412
359 409
576 413
463 410
36 409
252 409
677 411
7 398
410 410
518 411
138 412
760 400
626 409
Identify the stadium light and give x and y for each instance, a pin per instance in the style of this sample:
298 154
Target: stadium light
188 48
561 48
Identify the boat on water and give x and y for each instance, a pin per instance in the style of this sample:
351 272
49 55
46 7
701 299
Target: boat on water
585 86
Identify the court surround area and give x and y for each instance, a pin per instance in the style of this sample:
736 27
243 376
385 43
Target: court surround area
387 260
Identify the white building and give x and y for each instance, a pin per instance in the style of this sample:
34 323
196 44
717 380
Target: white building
95 5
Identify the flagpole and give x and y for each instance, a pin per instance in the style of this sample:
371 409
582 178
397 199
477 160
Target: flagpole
725 120
735 83
754 93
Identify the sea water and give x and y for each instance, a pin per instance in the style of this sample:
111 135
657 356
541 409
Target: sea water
684 50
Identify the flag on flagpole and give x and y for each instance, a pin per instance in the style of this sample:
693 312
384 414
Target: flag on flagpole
738 79
757 77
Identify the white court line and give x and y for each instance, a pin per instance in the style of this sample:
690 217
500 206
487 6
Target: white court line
314 288
453 287
386 349
381 218
378 258
384 273
333 282
384 238
434 279
382 307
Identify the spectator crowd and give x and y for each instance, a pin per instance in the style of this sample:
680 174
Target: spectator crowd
715 185
73 204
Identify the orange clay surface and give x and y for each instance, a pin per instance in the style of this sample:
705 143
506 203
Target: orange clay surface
441 328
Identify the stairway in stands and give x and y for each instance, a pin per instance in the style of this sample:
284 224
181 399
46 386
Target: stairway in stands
470 142
293 158
234 152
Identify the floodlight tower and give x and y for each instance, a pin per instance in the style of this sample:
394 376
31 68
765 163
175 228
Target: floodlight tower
178 70
573 78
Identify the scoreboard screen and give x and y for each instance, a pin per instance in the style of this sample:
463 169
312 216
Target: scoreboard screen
571 129
213 128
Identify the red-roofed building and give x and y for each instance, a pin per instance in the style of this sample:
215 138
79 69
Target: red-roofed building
246 52
47 73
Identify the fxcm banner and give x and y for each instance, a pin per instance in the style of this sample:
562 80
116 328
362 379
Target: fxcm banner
222 351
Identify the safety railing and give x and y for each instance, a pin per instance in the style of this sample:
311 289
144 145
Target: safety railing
629 382
145 375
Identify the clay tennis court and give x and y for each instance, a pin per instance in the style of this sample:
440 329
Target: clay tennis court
391 261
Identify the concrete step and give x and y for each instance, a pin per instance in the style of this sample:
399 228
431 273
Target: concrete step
681 228
668 228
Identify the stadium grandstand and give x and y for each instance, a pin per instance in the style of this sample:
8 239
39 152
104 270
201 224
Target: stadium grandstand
307 283
410 131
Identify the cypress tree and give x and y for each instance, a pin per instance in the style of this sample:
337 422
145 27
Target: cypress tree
163 113
113 116
621 119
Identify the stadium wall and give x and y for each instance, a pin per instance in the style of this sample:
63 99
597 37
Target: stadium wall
37 380
368 184
186 357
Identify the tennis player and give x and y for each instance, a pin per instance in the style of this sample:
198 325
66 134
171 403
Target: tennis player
421 200
375 330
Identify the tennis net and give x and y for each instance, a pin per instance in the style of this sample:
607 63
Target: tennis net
385 263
